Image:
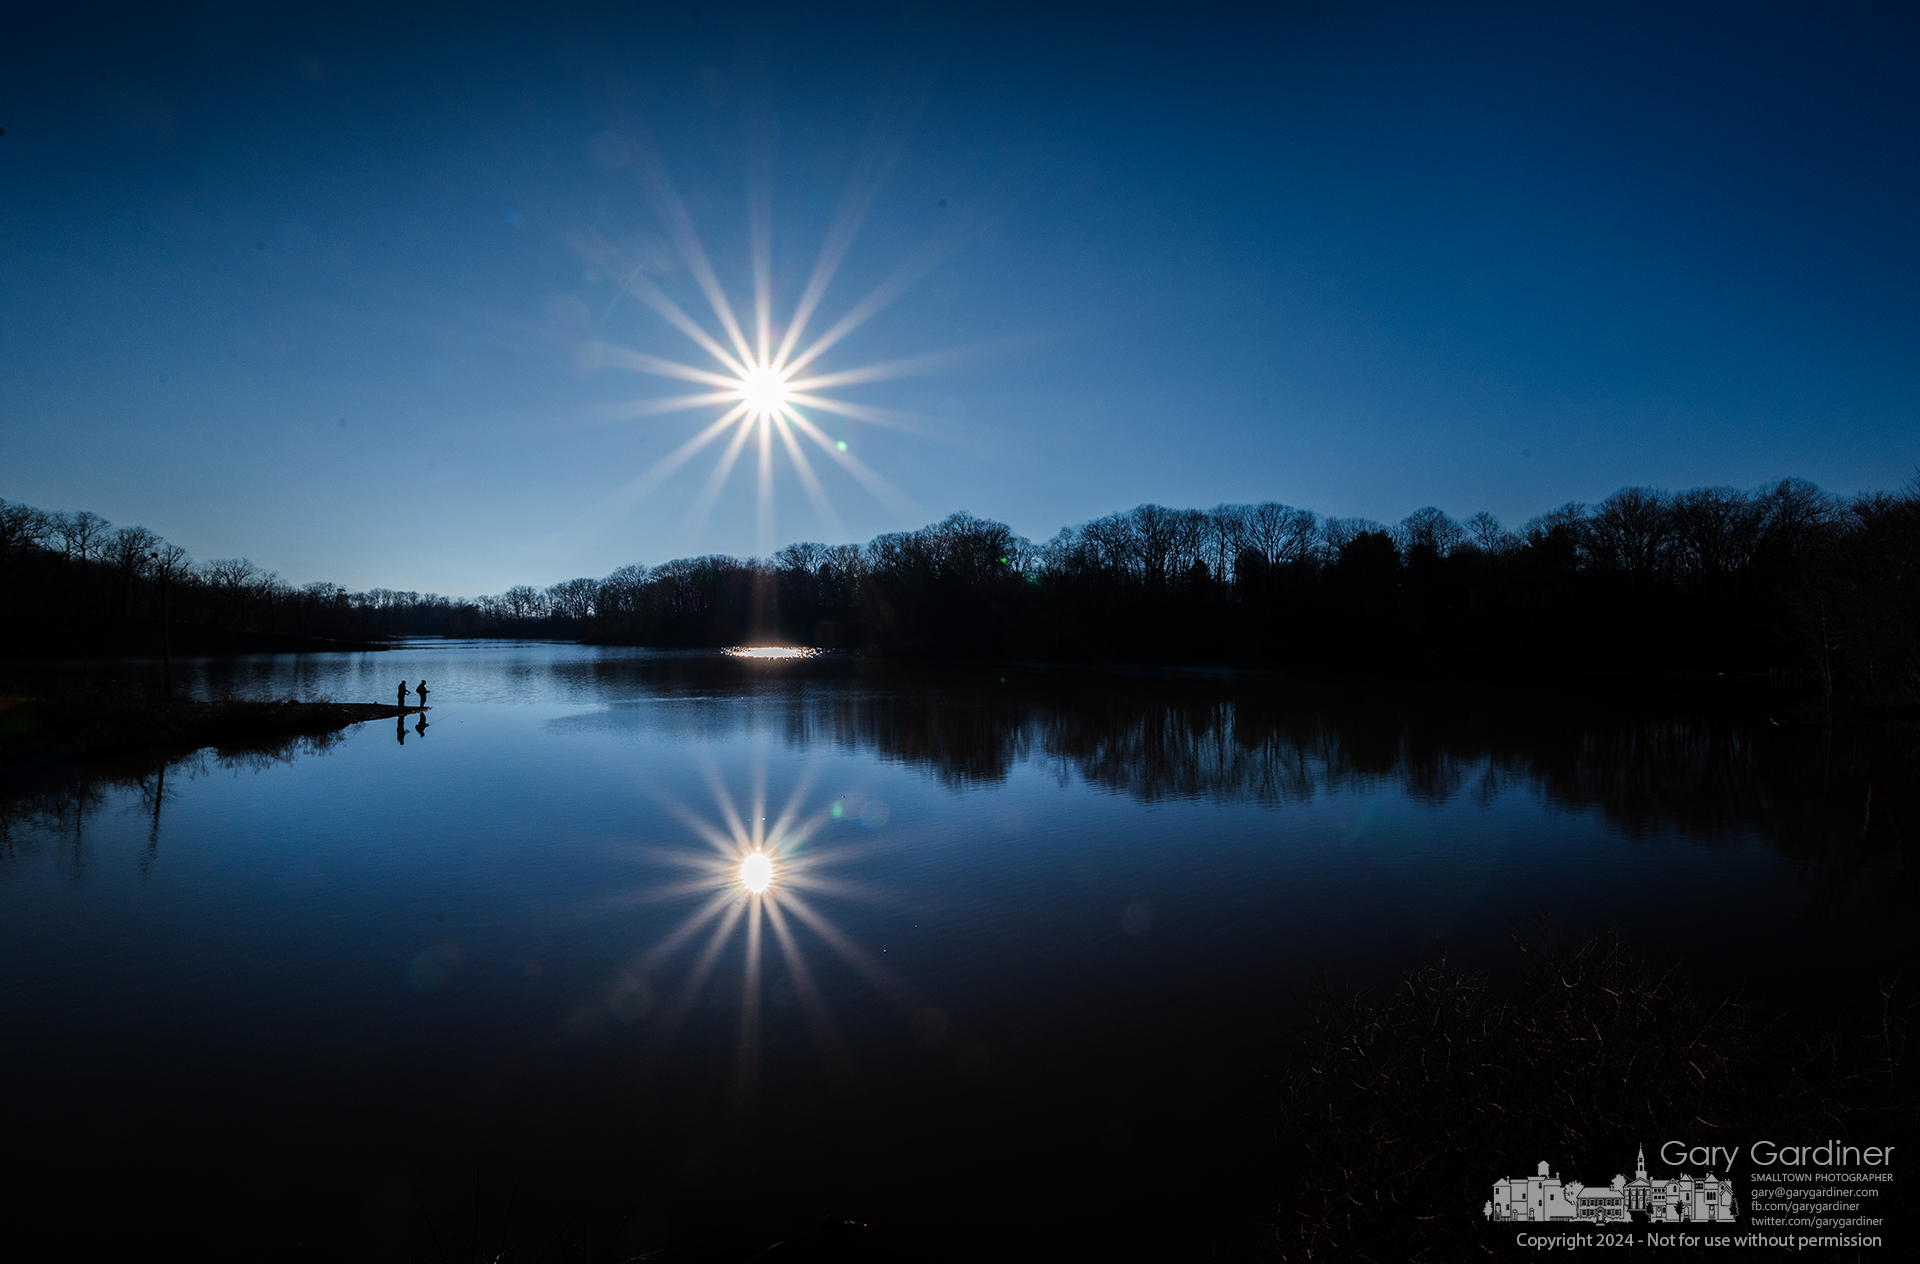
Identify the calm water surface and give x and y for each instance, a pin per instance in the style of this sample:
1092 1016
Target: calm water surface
494 987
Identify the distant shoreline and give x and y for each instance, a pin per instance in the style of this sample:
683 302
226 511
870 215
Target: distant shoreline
1784 580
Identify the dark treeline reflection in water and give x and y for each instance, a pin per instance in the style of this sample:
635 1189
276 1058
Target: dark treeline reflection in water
375 999
39 802
1701 760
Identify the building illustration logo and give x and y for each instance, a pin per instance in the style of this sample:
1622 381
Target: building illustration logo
1668 1200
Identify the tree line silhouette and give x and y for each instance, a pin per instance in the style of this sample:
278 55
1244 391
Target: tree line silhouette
1788 577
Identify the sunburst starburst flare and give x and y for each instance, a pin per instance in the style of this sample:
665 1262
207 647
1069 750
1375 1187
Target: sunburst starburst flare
755 870
767 383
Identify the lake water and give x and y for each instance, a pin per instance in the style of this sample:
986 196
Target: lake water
495 987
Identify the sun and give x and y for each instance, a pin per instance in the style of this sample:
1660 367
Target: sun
763 389
764 376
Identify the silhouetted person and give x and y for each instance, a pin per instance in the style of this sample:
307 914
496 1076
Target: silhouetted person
422 691
403 692
400 729
421 728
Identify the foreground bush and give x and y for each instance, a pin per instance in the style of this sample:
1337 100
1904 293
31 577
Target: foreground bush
1399 1109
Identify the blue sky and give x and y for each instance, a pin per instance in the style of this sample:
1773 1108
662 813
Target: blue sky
315 287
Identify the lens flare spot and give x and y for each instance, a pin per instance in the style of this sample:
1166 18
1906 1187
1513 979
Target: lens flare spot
772 651
756 872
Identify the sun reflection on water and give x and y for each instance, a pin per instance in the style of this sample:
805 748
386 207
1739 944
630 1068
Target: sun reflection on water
758 867
756 872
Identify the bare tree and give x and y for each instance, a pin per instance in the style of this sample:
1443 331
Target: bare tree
22 527
269 592
1225 532
1570 517
572 598
230 580
1338 533
1299 537
79 535
1430 528
1630 531
1793 511
170 561
1716 529
845 566
620 592
1188 555
1155 539
129 549
130 552
523 601
1266 530
801 556
1105 544
1485 533
230 575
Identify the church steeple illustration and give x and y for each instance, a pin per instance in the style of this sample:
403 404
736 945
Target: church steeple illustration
1640 1165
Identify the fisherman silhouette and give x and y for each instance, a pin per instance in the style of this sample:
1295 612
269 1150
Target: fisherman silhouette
400 729
421 728
403 694
422 691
